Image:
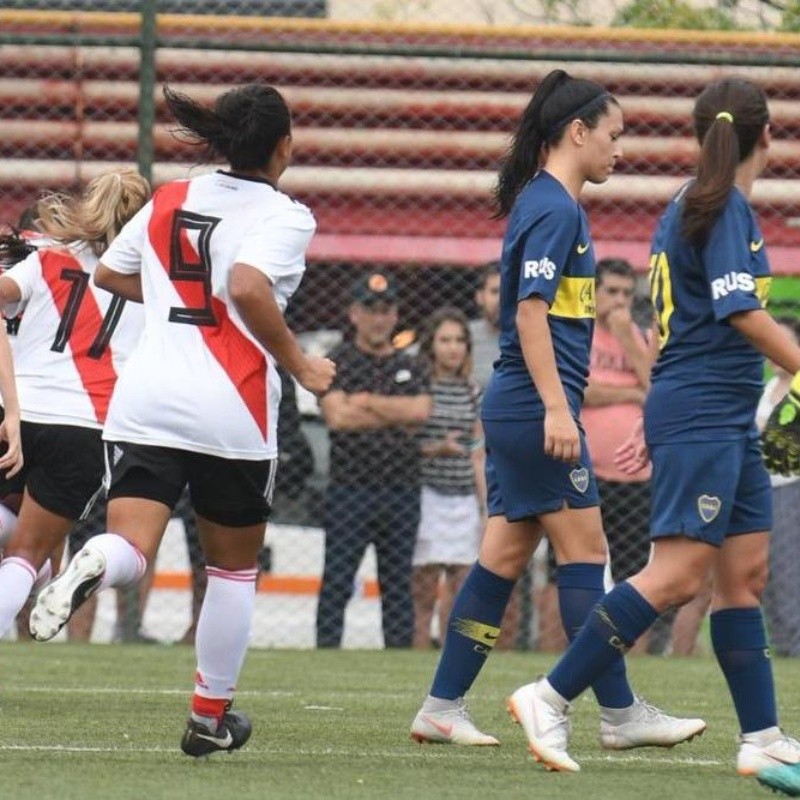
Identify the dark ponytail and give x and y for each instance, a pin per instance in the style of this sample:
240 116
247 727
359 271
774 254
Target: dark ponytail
558 100
729 116
244 127
13 248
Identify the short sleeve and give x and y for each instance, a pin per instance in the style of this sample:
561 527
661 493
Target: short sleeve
125 253
728 261
26 274
546 252
278 246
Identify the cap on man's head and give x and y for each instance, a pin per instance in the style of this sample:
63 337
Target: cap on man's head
375 287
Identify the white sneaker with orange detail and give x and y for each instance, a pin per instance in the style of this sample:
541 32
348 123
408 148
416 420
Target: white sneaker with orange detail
544 716
449 725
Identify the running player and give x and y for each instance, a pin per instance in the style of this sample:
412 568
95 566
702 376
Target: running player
215 260
67 355
711 505
539 475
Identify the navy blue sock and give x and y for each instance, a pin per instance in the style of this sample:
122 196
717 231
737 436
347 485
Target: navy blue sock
612 626
740 644
472 631
580 588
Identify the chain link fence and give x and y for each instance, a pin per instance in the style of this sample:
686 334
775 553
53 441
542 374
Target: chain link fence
399 120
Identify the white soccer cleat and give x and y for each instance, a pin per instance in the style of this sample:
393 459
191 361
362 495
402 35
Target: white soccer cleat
544 716
59 600
771 748
451 726
644 725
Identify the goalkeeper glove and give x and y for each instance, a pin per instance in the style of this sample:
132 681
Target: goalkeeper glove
781 436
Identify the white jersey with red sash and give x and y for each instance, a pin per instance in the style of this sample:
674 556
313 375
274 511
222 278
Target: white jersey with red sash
75 340
198 380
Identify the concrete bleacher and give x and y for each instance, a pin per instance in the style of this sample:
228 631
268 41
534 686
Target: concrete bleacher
396 156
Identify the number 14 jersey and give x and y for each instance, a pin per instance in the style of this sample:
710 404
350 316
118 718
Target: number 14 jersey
198 380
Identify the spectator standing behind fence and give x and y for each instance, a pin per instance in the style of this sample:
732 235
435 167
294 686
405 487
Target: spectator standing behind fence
485 331
373 409
453 483
782 593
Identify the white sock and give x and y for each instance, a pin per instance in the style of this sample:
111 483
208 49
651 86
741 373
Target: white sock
42 576
8 524
223 630
124 563
763 737
16 581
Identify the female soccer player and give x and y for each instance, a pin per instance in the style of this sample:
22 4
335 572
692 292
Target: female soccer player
711 506
539 475
67 354
215 260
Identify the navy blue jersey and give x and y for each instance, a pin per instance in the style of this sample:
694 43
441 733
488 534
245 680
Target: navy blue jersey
708 377
547 252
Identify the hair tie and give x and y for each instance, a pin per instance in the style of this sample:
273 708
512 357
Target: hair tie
578 113
726 115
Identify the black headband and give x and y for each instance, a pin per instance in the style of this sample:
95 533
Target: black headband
577 114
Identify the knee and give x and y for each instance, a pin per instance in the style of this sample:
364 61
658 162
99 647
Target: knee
680 589
755 579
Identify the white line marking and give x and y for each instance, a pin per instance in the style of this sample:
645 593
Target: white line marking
403 752
187 690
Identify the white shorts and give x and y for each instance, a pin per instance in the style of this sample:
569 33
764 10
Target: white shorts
449 529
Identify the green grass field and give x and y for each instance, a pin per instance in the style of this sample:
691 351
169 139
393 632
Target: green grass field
103 721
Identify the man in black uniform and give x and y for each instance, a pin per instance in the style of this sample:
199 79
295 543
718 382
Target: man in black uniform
377 400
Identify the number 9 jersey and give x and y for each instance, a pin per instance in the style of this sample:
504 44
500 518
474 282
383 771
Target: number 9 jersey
198 380
75 338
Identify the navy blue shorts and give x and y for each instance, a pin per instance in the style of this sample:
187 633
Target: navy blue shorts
522 482
709 490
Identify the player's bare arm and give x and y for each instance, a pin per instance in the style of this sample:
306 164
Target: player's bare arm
560 431
9 291
127 286
251 292
761 330
11 460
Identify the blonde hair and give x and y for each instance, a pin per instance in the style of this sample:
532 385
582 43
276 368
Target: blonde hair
97 215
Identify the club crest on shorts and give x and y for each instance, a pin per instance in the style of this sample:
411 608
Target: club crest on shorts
708 507
580 478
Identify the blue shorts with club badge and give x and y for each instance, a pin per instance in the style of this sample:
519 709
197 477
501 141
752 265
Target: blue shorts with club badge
710 490
522 482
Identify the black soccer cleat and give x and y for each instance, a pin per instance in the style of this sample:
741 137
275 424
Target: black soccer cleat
232 732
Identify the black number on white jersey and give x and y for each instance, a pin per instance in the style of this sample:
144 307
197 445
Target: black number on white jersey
80 283
200 270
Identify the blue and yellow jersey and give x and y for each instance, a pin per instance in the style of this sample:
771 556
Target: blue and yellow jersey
547 252
708 377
